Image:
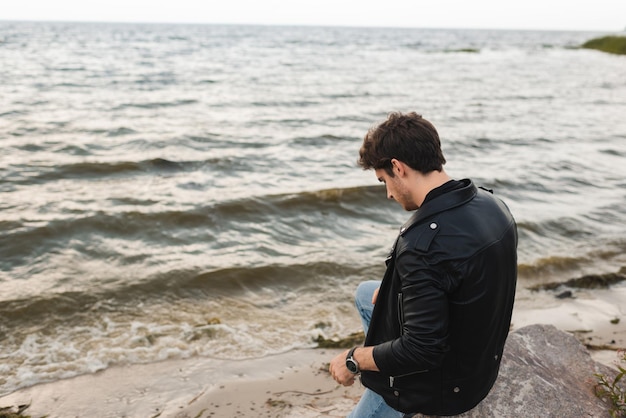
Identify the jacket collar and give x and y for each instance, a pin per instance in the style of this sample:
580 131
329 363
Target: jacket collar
442 203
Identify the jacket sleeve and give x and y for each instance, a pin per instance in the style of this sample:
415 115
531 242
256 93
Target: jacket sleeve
423 316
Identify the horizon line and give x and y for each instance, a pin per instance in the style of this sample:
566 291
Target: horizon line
310 25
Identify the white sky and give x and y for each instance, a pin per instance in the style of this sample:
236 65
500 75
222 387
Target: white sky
601 15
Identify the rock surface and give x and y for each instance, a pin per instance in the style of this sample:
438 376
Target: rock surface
544 373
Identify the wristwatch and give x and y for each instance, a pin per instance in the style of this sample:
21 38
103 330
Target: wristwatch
351 363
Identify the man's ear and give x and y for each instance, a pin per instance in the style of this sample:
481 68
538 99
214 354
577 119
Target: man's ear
398 167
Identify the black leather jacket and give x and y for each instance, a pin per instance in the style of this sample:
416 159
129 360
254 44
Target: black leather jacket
444 307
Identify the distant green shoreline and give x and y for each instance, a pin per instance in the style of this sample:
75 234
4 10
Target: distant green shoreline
610 44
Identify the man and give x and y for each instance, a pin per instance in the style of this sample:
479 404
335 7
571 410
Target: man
436 326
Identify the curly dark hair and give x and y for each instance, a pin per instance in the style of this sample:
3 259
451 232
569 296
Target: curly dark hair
406 137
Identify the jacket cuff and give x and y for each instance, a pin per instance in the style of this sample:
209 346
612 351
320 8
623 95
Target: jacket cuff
383 357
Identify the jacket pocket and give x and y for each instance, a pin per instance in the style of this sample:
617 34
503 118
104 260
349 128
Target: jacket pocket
394 380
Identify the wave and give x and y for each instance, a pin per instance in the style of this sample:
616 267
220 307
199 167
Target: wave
275 217
81 169
20 243
122 130
549 266
170 286
88 170
432 49
295 103
564 267
353 201
316 141
67 69
155 105
608 151
13 113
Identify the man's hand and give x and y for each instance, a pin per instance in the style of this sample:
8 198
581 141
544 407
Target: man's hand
339 371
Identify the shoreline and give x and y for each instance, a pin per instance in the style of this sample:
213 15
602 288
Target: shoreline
292 384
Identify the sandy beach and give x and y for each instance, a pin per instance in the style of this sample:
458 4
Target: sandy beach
295 383
292 384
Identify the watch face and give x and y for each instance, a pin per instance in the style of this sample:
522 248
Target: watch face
351 365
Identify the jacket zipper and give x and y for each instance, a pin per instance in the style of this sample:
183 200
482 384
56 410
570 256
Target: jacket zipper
401 313
401 321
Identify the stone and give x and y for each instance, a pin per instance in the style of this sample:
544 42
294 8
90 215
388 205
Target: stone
544 373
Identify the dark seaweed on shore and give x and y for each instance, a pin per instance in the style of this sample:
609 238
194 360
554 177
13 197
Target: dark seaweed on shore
10 412
354 339
590 281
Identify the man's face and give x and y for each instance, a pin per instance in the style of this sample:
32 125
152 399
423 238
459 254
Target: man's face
396 189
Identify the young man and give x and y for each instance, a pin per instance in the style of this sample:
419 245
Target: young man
436 324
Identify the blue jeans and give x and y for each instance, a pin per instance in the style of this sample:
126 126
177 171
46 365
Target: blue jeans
371 404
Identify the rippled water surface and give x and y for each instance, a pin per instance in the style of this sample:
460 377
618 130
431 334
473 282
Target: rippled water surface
172 191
